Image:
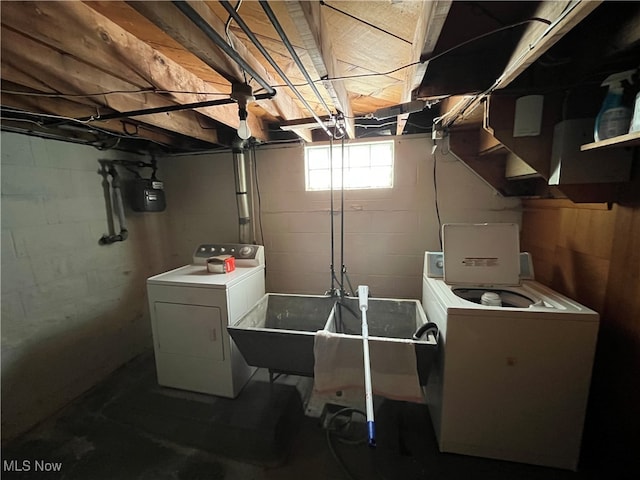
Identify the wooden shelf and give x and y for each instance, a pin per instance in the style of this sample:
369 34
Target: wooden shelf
628 140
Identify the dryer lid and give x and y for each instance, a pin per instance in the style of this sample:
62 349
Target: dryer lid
481 254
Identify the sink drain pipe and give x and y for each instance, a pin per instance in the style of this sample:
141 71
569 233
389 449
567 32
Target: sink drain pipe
242 195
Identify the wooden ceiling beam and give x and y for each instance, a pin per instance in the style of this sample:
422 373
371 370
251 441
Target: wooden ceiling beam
310 23
145 30
99 42
430 22
169 19
539 37
64 73
166 17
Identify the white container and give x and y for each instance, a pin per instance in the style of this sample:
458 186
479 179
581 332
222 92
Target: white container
635 121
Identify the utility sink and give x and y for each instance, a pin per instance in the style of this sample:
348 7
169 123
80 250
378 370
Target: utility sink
388 320
278 332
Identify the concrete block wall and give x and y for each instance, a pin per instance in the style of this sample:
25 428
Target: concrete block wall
72 310
386 231
201 202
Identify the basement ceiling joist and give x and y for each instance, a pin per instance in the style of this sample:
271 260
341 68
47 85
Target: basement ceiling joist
78 61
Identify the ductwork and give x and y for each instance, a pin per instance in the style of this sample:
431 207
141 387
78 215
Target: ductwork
242 194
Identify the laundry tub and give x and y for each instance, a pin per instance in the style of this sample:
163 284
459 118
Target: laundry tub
278 332
388 320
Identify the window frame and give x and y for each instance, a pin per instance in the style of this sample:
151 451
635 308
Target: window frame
350 165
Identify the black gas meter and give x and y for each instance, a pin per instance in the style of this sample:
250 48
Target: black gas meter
147 195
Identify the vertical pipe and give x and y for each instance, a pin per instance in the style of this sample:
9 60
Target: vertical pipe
252 182
242 196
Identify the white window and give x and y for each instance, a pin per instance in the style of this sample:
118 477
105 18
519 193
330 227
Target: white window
366 165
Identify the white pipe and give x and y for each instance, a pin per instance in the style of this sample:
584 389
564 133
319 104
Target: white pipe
363 297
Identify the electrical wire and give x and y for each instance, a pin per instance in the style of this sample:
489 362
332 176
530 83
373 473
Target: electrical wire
60 117
109 92
229 41
550 26
43 115
258 196
333 430
381 125
484 35
435 195
426 59
325 4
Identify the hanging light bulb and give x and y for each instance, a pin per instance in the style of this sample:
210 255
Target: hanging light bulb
243 94
244 132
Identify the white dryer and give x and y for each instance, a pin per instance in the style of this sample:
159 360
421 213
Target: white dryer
190 309
512 375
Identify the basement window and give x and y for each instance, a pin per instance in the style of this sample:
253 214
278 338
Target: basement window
366 165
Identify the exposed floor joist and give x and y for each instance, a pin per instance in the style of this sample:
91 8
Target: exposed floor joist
310 23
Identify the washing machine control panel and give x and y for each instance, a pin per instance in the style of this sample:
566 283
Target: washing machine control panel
246 255
434 265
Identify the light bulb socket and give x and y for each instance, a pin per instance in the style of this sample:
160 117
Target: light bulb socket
242 93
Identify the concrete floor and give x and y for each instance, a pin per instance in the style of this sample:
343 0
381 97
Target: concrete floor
130 428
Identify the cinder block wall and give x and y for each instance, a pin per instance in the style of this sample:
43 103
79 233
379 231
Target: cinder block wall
386 234
386 231
72 310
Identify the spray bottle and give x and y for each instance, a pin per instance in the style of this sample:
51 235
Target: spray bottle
615 115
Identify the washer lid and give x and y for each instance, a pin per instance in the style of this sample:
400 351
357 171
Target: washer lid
481 254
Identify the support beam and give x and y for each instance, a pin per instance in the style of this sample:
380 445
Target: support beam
144 29
538 37
430 23
310 23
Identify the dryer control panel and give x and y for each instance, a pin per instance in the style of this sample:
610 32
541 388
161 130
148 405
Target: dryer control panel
246 255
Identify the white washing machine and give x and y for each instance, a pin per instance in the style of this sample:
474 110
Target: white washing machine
190 309
512 375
